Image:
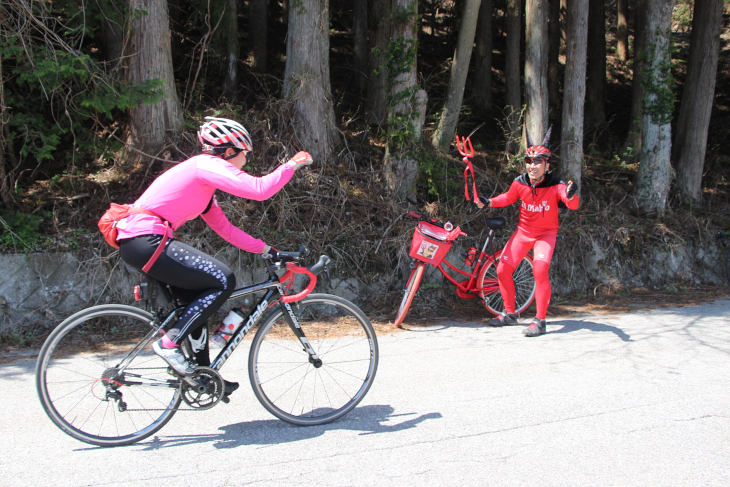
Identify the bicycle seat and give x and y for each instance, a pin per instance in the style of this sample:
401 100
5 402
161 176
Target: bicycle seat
495 223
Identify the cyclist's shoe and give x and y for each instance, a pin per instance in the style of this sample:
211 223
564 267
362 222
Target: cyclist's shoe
174 358
536 328
503 320
229 387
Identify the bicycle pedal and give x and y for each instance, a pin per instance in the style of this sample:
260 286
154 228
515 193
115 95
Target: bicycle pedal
225 399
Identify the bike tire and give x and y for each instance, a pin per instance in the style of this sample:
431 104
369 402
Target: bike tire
73 388
524 285
414 281
285 380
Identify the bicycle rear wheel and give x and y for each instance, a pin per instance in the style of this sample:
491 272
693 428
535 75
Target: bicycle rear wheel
82 386
524 285
414 281
301 391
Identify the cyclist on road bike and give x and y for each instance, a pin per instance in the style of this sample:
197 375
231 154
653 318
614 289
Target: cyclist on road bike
539 193
181 194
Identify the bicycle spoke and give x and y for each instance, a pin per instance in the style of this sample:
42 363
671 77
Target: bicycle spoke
89 398
300 389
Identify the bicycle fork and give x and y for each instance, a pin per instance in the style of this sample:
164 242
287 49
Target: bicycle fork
293 323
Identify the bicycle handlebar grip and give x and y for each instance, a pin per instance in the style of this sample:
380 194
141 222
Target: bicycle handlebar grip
320 265
294 256
414 215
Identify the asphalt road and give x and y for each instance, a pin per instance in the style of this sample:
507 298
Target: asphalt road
640 399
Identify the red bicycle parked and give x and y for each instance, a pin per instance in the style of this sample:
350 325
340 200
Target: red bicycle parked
431 243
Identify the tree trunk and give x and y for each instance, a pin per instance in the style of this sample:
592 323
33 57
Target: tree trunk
622 31
377 58
406 103
307 78
230 82
554 55
482 91
690 142
4 186
112 32
652 181
149 57
632 147
257 34
595 115
360 40
536 64
444 133
571 146
513 105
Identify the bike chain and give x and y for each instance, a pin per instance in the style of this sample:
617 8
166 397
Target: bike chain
164 409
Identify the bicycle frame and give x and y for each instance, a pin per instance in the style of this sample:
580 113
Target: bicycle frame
469 287
275 294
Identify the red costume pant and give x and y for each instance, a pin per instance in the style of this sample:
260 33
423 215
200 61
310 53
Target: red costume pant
516 249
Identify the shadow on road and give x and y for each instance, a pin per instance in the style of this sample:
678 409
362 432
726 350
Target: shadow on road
569 326
367 419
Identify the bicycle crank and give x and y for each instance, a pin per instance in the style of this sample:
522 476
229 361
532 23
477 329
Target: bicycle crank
203 389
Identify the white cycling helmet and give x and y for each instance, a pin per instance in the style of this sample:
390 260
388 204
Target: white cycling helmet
221 132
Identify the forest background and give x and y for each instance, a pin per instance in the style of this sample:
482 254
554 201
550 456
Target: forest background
98 98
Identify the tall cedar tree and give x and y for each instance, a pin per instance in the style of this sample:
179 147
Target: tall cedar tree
513 105
257 33
230 81
622 31
595 115
360 42
482 86
632 146
444 133
554 54
379 27
148 56
652 181
690 142
406 102
571 148
536 64
307 78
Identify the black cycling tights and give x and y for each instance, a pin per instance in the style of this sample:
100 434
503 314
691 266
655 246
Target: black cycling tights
197 278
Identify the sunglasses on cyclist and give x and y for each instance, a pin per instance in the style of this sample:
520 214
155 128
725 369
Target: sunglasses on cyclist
238 151
534 160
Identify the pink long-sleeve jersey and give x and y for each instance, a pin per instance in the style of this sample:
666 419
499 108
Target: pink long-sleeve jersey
186 190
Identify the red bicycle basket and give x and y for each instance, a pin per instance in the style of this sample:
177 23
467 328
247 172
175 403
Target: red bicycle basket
429 243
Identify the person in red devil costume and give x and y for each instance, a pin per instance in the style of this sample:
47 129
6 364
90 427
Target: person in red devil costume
539 193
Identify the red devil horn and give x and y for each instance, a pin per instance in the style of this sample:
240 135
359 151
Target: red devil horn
546 141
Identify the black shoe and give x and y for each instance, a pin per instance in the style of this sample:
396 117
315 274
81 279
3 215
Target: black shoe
503 320
229 387
536 328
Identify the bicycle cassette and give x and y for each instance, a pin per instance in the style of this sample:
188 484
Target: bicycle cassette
203 389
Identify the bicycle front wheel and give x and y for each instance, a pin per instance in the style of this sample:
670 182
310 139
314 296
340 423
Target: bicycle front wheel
302 391
410 291
524 285
99 384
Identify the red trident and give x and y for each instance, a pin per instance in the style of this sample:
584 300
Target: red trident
467 150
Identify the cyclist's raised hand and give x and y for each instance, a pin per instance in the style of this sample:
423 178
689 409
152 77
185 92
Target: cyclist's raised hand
483 202
300 160
572 188
270 253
